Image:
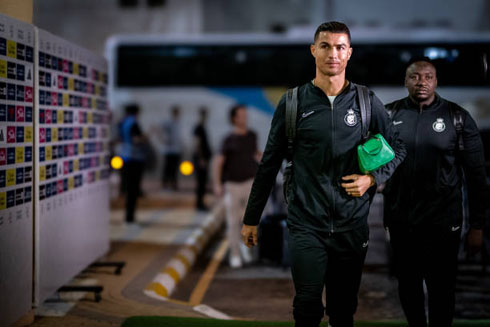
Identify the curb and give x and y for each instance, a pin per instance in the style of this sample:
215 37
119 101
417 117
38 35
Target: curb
175 270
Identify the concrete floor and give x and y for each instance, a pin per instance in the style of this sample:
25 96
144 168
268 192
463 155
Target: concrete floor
257 292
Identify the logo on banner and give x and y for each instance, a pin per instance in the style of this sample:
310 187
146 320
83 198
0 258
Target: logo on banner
3 183
19 196
19 176
11 70
11 134
27 174
20 93
29 54
48 135
20 134
3 112
60 81
54 99
10 156
42 154
20 117
60 187
28 94
42 135
20 72
28 153
3 42
11 92
28 194
10 199
42 192
20 51
3 91
3 156
47 116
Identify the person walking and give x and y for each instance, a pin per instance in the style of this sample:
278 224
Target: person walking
424 201
328 197
233 172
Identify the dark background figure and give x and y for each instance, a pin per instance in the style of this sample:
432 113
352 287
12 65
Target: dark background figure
118 145
201 158
423 199
133 154
172 150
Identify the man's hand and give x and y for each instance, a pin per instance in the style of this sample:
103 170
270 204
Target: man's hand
359 185
474 241
249 235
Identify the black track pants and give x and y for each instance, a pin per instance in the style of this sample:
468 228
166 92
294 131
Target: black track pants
333 261
430 257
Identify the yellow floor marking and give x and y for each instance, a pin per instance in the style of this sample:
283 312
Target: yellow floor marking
158 289
208 275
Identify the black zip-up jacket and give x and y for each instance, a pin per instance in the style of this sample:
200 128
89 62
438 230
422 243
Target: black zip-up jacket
425 191
325 150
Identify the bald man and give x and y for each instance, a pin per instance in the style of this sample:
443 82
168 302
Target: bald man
423 200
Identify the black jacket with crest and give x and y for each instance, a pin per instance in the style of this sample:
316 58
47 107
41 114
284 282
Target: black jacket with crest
425 191
325 150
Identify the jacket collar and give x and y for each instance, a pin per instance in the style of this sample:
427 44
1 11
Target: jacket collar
350 87
409 103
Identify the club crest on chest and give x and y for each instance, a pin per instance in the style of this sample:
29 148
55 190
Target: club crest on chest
350 118
439 125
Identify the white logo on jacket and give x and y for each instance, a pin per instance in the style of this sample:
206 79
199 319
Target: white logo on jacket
439 125
350 118
306 114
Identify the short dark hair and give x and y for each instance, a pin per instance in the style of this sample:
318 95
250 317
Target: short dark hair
420 59
234 109
132 109
332 27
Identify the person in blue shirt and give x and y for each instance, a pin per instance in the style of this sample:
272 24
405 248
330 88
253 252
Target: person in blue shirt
133 155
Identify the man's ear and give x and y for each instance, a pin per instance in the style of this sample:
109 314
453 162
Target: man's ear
312 49
350 53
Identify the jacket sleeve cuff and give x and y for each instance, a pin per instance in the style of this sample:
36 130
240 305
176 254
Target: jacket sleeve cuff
250 222
377 177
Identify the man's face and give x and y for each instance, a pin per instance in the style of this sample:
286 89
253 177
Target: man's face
421 81
241 118
332 51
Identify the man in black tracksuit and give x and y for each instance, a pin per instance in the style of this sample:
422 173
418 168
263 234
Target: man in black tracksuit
328 201
423 199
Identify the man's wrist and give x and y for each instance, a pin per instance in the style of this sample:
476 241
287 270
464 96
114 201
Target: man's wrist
373 180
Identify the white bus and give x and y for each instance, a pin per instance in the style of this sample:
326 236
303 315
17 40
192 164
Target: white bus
217 71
